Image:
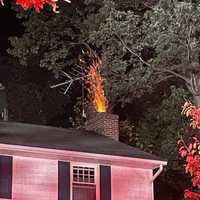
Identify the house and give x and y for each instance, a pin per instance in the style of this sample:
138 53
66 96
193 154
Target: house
49 163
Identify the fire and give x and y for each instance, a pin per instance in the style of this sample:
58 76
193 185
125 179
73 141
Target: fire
95 82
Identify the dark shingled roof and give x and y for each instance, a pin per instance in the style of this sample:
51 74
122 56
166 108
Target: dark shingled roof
66 139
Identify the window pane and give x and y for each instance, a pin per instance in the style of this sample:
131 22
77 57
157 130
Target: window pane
92 172
75 178
84 192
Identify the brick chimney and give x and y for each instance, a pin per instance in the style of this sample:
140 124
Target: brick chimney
103 123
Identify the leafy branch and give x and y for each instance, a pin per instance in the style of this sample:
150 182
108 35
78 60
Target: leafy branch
193 83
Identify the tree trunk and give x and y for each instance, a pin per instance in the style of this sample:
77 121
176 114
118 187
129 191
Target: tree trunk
195 93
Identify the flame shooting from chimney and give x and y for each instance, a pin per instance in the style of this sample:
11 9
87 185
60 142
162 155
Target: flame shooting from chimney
95 83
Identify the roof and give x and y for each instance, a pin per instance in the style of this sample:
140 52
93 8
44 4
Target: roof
66 139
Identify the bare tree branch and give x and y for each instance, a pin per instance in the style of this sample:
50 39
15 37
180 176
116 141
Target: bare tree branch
131 51
149 65
188 42
194 85
164 79
175 74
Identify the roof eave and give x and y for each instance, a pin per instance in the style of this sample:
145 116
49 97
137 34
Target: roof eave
45 153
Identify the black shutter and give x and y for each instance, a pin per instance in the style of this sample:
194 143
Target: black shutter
63 180
105 182
6 177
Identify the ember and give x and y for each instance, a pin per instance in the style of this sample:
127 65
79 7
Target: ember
95 82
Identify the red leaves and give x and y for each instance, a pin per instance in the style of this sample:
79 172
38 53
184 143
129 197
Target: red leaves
192 111
38 5
191 195
191 151
1 2
191 154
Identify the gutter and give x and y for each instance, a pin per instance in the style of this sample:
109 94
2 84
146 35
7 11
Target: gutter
157 173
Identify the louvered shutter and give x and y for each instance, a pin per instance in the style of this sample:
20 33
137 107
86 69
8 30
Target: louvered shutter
105 182
63 180
6 177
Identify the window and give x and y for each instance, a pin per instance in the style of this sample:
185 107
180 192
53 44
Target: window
83 183
83 175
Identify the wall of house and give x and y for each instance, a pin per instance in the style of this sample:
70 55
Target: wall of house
129 183
37 179
34 178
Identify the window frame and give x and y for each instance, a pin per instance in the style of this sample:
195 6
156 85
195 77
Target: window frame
96 177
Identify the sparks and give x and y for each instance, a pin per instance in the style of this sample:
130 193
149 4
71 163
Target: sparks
95 82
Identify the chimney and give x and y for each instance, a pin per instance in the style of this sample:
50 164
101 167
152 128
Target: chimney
103 123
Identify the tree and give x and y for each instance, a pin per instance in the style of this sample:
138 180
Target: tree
46 40
173 31
141 51
47 43
157 132
162 124
124 75
190 151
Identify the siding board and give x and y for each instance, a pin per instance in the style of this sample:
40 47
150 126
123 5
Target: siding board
34 178
131 183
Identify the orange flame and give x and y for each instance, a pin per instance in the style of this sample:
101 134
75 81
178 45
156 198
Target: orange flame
96 90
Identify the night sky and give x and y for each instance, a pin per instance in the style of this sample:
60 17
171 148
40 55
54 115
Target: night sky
9 26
